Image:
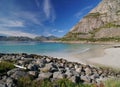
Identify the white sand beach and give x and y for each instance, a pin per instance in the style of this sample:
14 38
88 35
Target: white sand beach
110 58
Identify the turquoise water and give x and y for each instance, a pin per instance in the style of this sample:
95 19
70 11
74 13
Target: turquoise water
50 49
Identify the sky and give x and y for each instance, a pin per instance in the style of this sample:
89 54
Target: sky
33 18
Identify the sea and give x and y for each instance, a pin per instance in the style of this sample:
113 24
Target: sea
59 50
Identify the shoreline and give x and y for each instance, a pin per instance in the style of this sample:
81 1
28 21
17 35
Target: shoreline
106 55
85 42
92 56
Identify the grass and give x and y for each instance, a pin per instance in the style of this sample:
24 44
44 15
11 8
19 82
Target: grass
92 39
94 15
5 66
112 83
109 25
27 82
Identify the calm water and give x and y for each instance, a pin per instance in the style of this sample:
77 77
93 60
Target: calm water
50 49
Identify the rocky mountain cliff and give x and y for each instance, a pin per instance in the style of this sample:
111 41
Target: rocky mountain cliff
101 23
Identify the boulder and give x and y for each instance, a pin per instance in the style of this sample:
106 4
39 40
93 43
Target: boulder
10 82
78 70
68 73
32 67
18 74
45 75
48 67
12 71
59 75
33 73
48 60
88 71
38 61
62 70
94 76
2 85
75 79
85 79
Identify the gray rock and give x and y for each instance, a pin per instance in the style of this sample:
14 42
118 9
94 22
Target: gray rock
78 70
21 62
45 75
48 67
53 70
28 59
82 73
76 66
85 78
48 60
33 73
4 77
41 65
75 79
10 82
100 72
75 73
62 70
19 74
32 67
59 75
38 61
94 76
68 73
71 65
88 71
2 85
12 71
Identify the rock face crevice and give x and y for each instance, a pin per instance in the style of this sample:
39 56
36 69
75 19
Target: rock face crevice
101 22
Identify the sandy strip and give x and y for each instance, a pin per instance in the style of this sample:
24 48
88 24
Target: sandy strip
110 58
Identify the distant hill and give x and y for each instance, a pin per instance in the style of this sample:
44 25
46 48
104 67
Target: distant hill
43 38
101 24
40 38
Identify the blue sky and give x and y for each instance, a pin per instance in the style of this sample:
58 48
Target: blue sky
41 17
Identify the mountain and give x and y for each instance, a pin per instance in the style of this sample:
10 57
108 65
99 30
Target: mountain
12 38
40 38
43 38
101 24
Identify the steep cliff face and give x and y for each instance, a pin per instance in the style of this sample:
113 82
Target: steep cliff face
101 22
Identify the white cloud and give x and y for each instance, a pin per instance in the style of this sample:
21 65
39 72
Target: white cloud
31 17
49 10
11 23
56 30
60 31
81 13
37 3
6 26
16 33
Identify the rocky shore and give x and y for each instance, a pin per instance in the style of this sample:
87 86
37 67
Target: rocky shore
44 67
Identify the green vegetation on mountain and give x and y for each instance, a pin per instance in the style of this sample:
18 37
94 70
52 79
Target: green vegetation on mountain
94 15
